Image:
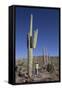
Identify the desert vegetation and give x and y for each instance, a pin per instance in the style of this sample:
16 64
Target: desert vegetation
49 72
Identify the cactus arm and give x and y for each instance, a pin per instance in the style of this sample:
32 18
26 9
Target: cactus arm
35 38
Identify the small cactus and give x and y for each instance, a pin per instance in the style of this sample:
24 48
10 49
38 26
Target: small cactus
50 67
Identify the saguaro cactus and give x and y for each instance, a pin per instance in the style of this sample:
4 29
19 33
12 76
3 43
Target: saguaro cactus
30 45
45 56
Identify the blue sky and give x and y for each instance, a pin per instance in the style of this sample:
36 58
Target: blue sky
47 22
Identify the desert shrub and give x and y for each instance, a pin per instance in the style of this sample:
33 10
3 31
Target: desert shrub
50 68
21 64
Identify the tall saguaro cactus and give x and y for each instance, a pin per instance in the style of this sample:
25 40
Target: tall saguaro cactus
45 56
32 41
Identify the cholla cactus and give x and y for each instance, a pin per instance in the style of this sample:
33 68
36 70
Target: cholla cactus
32 41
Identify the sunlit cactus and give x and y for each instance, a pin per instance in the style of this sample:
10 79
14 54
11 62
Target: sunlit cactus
31 43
